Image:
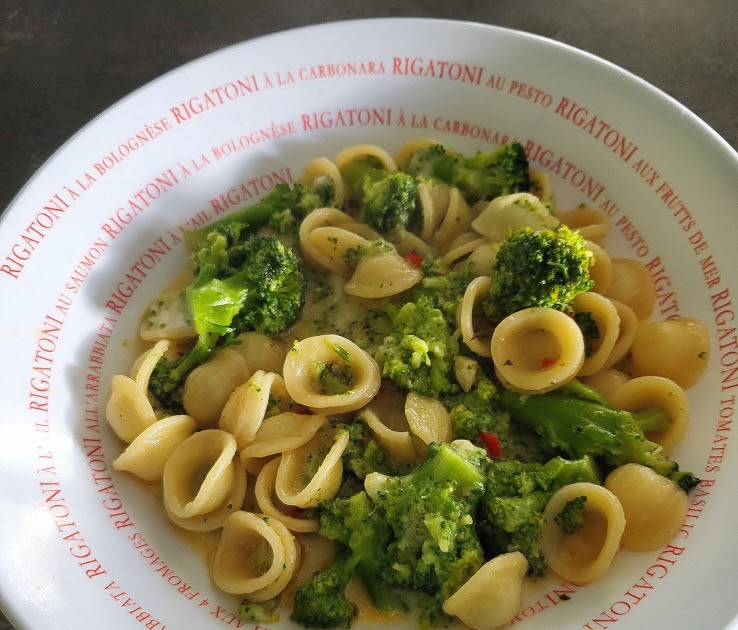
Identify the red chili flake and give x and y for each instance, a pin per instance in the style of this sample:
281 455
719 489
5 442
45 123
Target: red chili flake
548 362
491 443
415 259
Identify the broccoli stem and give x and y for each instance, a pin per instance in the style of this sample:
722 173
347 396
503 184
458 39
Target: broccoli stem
579 427
445 463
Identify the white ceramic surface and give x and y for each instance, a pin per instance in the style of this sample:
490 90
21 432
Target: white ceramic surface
81 546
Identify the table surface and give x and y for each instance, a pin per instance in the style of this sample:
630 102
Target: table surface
61 64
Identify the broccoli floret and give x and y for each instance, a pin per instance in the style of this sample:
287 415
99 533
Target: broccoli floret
321 602
480 411
387 200
539 268
419 353
511 510
571 517
485 175
577 426
443 288
245 284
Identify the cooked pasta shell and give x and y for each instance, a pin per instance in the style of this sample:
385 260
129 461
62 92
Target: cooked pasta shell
433 198
591 224
147 455
510 212
626 333
293 555
145 364
540 186
677 349
600 271
537 349
247 406
462 246
383 275
410 148
283 432
199 474
633 286
265 491
320 168
606 318
428 418
585 554
251 554
645 392
491 597
370 152
331 244
295 466
606 381
473 335
302 372
167 317
465 370
128 410
260 351
397 444
209 385
654 506
456 220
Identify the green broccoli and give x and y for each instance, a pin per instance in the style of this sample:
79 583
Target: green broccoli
510 516
387 200
363 454
245 284
259 612
486 175
578 426
539 268
321 602
419 353
444 288
571 517
478 412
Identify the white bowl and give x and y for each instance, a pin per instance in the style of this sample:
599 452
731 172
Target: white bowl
82 545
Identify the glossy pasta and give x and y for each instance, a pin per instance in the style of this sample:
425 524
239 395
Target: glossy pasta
269 424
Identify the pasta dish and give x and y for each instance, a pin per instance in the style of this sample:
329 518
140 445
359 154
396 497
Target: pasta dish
409 385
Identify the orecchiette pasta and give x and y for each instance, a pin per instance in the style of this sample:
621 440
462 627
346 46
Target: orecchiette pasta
590 223
310 358
537 349
428 418
606 319
318 169
383 275
632 285
283 432
128 410
491 597
264 491
397 444
513 211
477 341
148 453
600 271
654 506
678 349
583 555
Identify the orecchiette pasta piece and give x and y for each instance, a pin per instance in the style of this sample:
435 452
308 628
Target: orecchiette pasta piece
398 444
537 349
606 381
600 271
654 506
214 519
283 432
383 275
678 349
626 335
605 317
465 371
428 418
260 352
293 555
264 491
247 406
147 455
144 365
295 466
462 246
167 317
209 385
656 392
322 168
128 411
433 198
251 554
540 186
199 474
585 554
456 220
369 152
483 257
591 224
410 148
492 596
408 243
513 211
478 341
315 357
633 286
332 245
